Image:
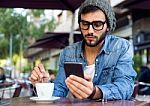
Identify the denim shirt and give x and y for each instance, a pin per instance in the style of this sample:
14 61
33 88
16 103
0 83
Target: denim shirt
114 73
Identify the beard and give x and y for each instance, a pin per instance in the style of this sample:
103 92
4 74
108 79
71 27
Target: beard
96 42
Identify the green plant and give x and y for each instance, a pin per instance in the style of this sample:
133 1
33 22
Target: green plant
137 63
27 69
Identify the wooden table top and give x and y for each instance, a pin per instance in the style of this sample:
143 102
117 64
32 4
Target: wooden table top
25 101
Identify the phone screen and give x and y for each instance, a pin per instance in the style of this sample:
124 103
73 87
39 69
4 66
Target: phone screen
73 68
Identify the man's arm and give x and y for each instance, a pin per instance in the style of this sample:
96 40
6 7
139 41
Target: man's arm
122 84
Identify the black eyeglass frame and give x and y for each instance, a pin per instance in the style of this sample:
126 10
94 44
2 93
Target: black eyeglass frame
92 23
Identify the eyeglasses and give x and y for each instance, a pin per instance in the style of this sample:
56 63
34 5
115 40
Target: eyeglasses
96 25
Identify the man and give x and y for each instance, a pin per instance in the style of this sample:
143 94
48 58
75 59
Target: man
107 58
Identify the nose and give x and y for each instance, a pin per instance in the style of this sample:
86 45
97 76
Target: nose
91 30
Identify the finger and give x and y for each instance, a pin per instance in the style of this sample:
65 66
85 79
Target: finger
41 67
33 77
82 84
72 91
80 88
88 77
35 74
86 89
76 92
80 80
33 81
38 72
46 75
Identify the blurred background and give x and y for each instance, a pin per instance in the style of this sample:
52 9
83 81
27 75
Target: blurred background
35 31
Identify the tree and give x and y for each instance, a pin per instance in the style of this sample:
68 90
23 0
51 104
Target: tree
16 24
3 47
18 29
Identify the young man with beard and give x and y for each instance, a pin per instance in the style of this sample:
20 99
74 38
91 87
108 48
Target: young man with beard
107 59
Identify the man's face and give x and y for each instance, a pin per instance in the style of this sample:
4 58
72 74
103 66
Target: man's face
93 26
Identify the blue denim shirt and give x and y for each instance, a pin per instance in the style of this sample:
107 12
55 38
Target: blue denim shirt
114 73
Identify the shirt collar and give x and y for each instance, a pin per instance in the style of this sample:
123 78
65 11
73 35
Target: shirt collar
105 47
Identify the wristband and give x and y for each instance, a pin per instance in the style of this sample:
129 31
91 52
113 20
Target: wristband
93 93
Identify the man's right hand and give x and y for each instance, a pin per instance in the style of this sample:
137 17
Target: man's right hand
39 74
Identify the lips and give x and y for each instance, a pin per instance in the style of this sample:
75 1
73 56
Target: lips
90 38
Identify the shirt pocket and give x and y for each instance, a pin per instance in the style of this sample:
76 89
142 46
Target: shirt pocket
107 74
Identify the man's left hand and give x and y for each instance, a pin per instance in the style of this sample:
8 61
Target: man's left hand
81 88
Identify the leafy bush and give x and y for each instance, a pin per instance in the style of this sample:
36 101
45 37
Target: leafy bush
137 63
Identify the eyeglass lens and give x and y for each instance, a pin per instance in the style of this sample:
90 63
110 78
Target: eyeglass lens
97 25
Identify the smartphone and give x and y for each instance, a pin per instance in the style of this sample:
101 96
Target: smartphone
73 68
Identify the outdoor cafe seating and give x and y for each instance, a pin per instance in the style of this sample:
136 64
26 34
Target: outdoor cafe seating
12 89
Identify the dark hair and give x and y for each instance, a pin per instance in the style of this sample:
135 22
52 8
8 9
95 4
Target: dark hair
91 8
50 71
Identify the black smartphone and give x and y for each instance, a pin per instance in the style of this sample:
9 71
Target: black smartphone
73 68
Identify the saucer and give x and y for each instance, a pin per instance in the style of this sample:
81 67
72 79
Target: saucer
41 100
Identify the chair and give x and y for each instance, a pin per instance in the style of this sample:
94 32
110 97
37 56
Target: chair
135 91
17 91
16 87
144 88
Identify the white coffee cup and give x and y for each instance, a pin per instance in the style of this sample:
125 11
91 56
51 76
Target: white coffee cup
44 90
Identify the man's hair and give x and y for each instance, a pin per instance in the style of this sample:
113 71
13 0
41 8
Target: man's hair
102 5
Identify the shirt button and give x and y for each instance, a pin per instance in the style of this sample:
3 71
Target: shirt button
95 75
96 60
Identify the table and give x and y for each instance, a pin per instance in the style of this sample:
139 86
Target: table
25 101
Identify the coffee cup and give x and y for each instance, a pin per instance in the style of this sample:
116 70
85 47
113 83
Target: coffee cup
44 90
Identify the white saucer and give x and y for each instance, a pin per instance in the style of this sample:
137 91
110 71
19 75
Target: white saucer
37 99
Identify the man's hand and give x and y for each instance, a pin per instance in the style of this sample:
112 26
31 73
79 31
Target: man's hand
79 87
39 74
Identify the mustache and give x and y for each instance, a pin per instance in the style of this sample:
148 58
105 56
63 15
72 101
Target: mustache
89 35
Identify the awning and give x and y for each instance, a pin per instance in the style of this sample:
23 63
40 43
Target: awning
55 40
131 10
141 40
50 40
42 4
135 4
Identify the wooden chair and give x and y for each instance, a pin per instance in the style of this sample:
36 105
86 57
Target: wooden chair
135 91
17 89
